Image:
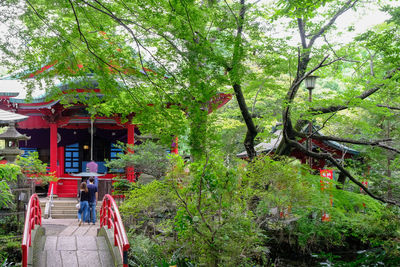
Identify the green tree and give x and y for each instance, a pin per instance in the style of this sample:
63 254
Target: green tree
149 158
8 174
32 167
313 58
193 45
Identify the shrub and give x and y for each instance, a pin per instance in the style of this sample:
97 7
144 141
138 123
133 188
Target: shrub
213 225
199 216
11 251
145 252
32 167
8 173
149 158
355 218
10 240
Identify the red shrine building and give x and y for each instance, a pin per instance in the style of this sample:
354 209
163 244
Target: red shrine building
338 151
63 136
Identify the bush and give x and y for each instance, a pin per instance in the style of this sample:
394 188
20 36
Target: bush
8 173
213 215
11 250
213 223
10 240
32 167
152 206
10 225
145 252
121 186
5 263
149 158
355 219
199 216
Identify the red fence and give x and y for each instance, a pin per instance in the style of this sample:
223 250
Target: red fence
33 217
110 217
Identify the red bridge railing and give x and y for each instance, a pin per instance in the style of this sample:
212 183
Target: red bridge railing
110 217
33 217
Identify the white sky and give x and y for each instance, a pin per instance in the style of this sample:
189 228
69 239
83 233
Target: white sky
362 20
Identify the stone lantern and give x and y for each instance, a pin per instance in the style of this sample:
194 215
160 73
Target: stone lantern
12 137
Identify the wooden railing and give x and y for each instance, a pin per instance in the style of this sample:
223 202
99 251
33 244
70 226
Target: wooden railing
110 217
33 217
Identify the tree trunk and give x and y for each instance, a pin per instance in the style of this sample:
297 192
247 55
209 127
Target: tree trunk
236 84
251 128
341 180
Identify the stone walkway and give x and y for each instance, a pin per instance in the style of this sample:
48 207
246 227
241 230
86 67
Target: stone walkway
66 244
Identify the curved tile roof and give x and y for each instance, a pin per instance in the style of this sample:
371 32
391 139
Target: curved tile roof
7 117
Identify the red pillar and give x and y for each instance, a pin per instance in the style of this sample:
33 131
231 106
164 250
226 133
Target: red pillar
53 152
130 171
53 147
174 146
60 155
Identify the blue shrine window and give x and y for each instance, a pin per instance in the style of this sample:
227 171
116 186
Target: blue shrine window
115 150
71 158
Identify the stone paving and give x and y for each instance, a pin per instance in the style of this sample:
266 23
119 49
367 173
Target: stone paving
66 244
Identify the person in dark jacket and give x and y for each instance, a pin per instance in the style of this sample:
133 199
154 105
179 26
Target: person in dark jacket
93 196
84 196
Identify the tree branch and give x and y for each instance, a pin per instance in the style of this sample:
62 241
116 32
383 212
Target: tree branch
389 148
336 55
349 4
388 107
296 84
255 98
329 157
233 14
363 95
371 62
185 205
190 23
138 44
300 24
343 140
301 79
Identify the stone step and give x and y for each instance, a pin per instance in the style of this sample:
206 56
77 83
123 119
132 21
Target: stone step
67 215
65 209
64 203
58 210
57 207
66 212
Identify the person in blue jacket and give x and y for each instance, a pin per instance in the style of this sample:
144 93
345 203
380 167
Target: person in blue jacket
93 196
